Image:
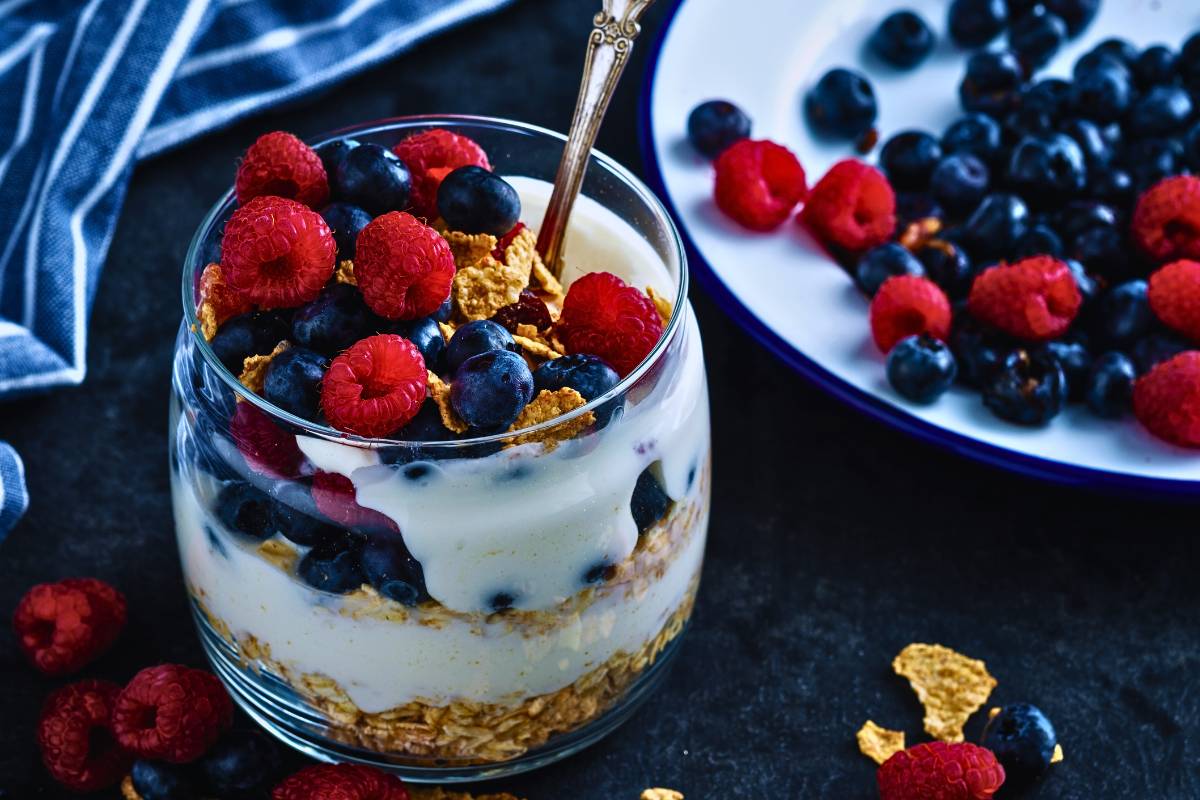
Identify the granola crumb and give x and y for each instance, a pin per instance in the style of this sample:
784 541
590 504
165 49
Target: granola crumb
661 304
546 406
279 553
439 390
127 790
469 249
1058 754
661 794
345 273
879 744
254 368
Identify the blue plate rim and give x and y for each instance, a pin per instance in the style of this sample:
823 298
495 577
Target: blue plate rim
1029 466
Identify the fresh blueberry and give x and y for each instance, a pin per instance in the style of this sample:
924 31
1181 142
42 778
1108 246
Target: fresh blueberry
1088 288
1112 185
1077 14
475 200
1189 61
1102 94
979 350
974 23
426 426
333 566
1022 739
1025 122
1156 66
650 502
296 517
977 134
921 368
1154 348
1104 251
841 105
714 125
1109 389
1048 96
1151 160
1080 216
1038 240
374 178
445 311
995 226
252 334
474 338
1161 111
242 508
1036 37
946 264
1075 360
241 763
345 221
912 206
908 158
490 389
1096 149
959 183
392 570
155 780
1124 314
1122 51
293 382
883 262
993 82
903 39
427 336
1047 169
335 320
586 374
1028 388
332 155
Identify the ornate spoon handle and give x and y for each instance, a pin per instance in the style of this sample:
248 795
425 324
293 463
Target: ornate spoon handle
616 27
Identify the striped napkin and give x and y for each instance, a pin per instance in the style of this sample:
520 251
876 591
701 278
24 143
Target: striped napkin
88 87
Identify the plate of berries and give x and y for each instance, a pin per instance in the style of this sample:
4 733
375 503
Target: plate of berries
976 221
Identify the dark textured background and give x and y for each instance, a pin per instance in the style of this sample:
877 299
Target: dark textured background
834 541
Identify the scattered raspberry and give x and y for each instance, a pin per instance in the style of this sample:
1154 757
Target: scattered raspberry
333 494
1034 299
528 310
340 782
853 207
266 447
221 297
171 713
1166 221
758 183
940 771
431 156
404 267
1174 293
906 305
61 627
1167 399
602 316
277 253
75 736
505 241
375 387
279 164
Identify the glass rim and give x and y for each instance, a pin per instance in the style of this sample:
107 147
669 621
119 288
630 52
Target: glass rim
326 432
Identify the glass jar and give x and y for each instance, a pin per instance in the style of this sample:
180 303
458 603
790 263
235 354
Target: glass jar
531 593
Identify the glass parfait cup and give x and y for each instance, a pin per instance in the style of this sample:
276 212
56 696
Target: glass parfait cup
534 590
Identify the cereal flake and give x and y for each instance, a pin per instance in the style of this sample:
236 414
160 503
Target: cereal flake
547 285
469 249
439 390
218 301
438 793
879 744
254 368
919 232
546 406
536 347
661 794
662 304
949 685
345 273
1058 754
127 789
480 291
279 553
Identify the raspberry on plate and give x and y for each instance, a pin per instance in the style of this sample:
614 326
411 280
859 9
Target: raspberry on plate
852 207
1166 221
76 740
432 155
605 317
940 771
340 782
758 183
375 387
61 627
1167 399
907 305
171 713
1034 299
404 267
1174 292
277 253
266 447
281 165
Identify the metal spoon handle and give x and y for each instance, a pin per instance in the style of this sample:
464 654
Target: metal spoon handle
608 48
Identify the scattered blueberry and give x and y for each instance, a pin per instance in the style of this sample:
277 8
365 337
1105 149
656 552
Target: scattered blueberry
474 338
995 226
242 508
714 125
373 177
335 320
1109 389
1104 250
912 206
1077 14
293 382
1048 96
1113 186
345 221
1025 122
1038 240
1097 152
1075 360
1189 62
883 262
959 183
1156 66
903 39
332 154
650 501
908 159
973 23
252 334
490 389
947 265
241 763
333 566
1088 288
1161 111
993 82
1122 51
427 336
476 200
391 569
841 105
977 134
1027 388
1124 314
1037 36
1079 216
1154 348
1022 739
1151 160
1047 169
921 368
1102 94
156 780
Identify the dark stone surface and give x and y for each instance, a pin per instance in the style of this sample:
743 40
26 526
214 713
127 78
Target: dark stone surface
834 541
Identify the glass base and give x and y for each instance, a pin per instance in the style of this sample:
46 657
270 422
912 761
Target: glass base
283 713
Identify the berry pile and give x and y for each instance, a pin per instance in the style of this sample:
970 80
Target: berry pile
1044 249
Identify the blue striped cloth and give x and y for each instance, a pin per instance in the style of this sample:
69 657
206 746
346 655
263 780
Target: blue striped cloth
88 87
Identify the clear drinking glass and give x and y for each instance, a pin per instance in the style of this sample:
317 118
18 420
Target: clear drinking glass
559 579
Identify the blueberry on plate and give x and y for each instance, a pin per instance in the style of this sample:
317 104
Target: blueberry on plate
1112 185
475 200
959 183
1027 388
474 338
1022 739
1036 37
1079 216
1102 94
1088 288
1073 356
1097 152
293 382
332 566
374 178
392 570
1162 111
974 133
1047 170
335 320
345 221
1048 96
1156 66
1151 160
946 263
908 159
1155 348
490 389
921 368
714 125
427 336
883 262
1077 14
332 154
841 105
1025 122
1038 240
241 763
903 39
244 509
993 230
1109 389
252 334
993 83
650 501
1120 50
974 23
155 780
1124 314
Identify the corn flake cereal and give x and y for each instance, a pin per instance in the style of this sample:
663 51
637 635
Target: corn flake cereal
919 232
535 347
127 790
879 744
1058 754
279 553
949 685
438 793
480 291
254 368
661 304
546 406
547 285
345 273
218 302
439 390
469 249
661 794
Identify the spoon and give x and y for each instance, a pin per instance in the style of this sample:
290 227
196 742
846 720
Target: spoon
615 29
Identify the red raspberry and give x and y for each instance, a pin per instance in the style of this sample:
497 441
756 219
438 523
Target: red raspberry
333 494
758 183
340 782
61 627
225 302
1034 299
375 387
431 156
853 207
404 267
906 305
171 713
277 252
1167 399
505 240
281 165
75 736
1166 221
528 310
266 447
1175 296
604 317
940 771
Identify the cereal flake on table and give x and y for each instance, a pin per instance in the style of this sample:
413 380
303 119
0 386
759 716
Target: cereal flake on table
877 743
950 686
661 794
